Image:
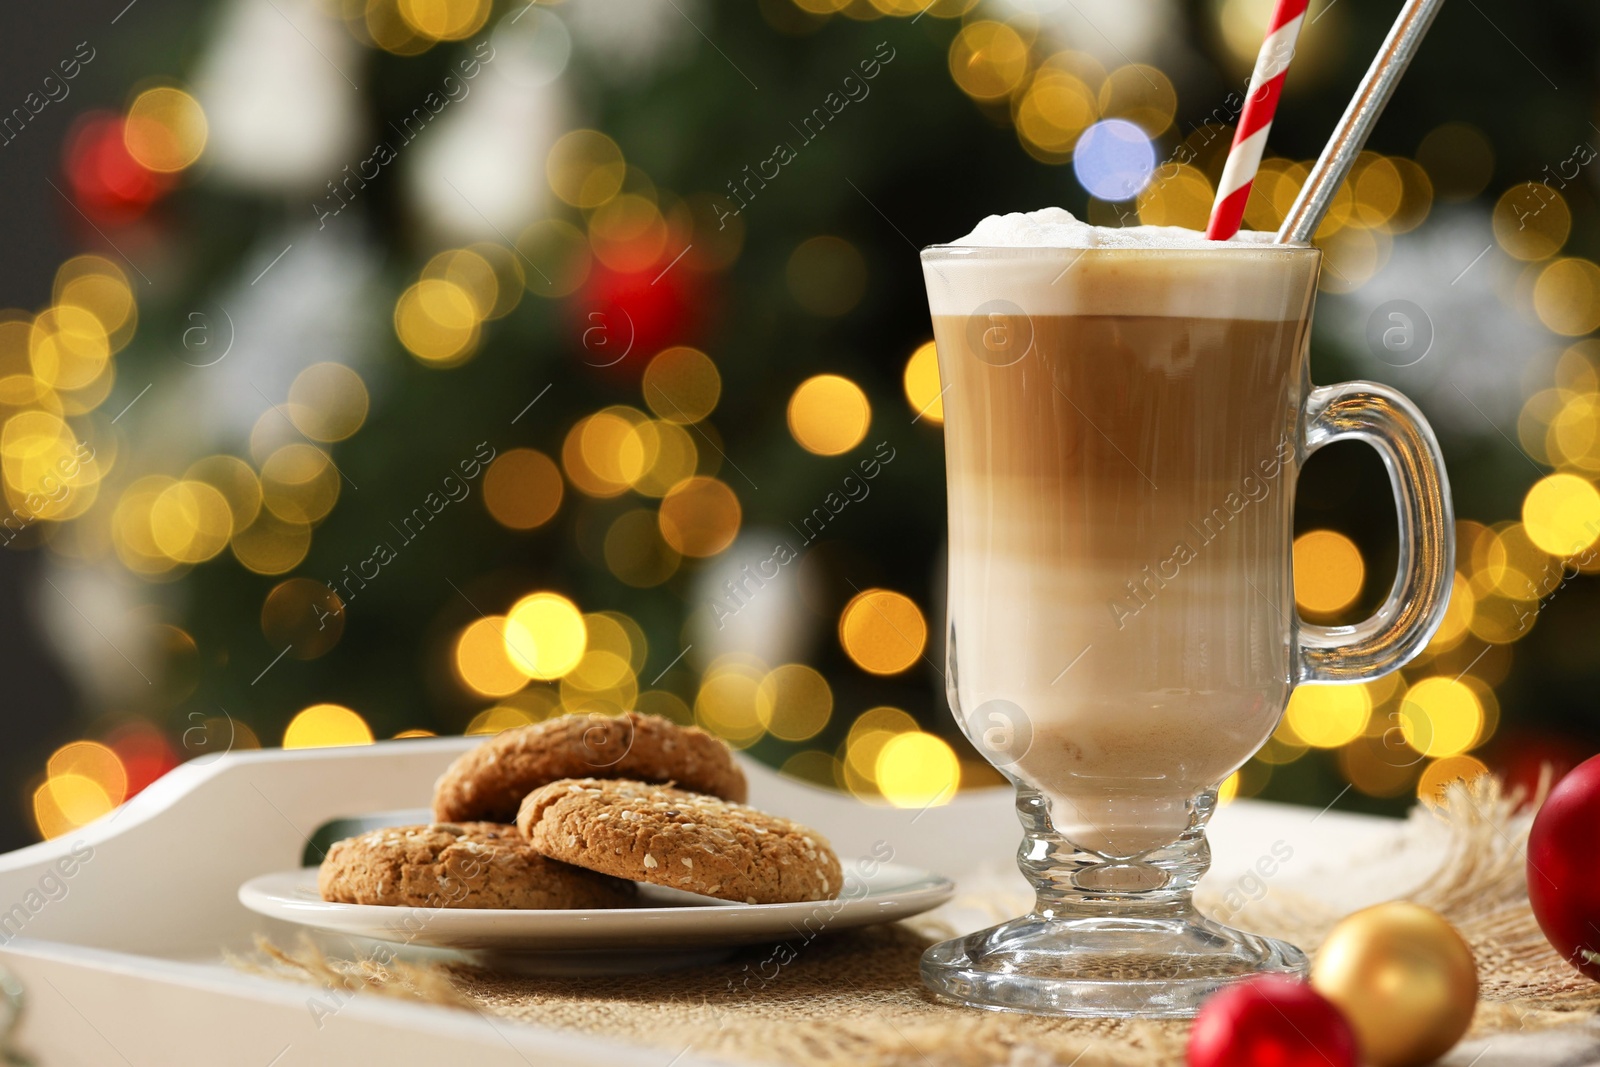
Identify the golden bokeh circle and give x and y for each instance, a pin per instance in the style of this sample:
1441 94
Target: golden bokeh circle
545 636
883 632
585 168
1178 195
522 489
437 321
1532 221
921 381
328 402
829 414
299 483
1441 716
326 726
446 20
988 59
190 521
1561 514
1142 95
304 616
794 702
917 770
271 545
483 662
1566 297
1328 572
1328 716
165 130
235 480
681 385
700 517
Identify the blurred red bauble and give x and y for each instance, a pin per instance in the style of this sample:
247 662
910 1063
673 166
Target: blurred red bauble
1564 867
1271 1021
623 319
107 183
144 752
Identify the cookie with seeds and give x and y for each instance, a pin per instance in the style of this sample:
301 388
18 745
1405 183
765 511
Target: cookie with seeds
490 781
460 865
672 837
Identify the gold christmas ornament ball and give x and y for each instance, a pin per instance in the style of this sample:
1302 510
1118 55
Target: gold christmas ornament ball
1404 978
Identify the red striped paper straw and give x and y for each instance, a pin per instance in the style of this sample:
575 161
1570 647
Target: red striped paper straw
1250 139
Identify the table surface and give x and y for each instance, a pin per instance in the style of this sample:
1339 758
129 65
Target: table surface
123 966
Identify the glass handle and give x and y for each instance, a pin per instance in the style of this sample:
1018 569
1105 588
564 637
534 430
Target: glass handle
1398 630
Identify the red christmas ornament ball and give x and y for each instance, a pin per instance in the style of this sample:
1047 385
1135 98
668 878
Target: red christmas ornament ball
1271 1021
1564 867
624 318
107 183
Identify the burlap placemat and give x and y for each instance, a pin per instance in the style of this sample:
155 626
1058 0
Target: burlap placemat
855 998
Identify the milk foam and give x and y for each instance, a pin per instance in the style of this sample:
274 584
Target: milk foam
1048 262
1055 227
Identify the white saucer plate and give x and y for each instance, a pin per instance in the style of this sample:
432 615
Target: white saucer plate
666 920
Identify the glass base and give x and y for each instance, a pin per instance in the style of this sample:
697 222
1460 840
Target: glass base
1102 965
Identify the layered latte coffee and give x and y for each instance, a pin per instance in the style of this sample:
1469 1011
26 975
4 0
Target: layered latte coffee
1121 434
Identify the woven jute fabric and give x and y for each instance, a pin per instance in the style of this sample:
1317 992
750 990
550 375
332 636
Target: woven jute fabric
855 997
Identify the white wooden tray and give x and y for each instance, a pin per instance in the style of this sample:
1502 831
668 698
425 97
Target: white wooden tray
120 960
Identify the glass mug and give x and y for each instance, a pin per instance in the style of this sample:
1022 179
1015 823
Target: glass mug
1123 431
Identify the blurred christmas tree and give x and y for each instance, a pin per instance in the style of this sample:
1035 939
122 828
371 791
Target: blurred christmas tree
441 364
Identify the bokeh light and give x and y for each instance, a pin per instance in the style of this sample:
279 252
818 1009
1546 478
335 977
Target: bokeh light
445 20
545 636
883 632
988 59
681 385
299 483
1178 195
327 402
1531 221
483 661
1114 160
190 522
585 168
271 545
728 699
1438 776
1327 716
165 130
438 322
1141 95
700 517
1328 572
304 616
1054 111
829 414
869 733
917 770
326 726
1566 297
1441 717
1561 514
794 702
522 489
92 761
921 380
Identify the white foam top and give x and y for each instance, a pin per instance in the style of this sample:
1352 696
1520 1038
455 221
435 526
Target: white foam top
1247 277
1055 227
